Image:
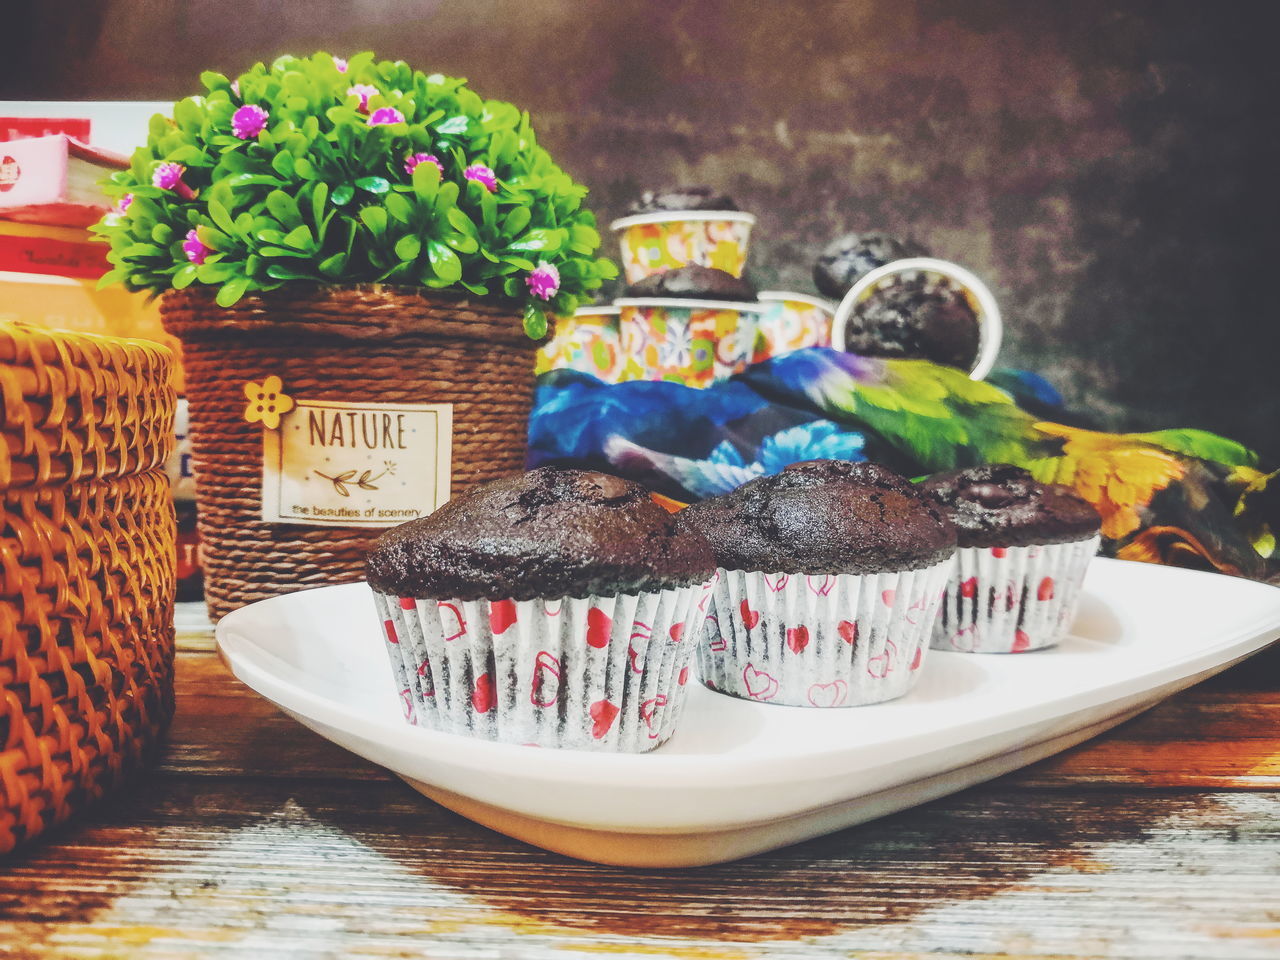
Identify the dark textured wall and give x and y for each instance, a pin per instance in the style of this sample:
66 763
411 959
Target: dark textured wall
1107 166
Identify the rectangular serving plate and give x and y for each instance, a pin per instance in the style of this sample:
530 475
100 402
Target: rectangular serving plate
739 777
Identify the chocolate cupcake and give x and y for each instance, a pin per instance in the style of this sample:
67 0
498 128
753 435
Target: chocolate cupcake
828 581
682 198
550 608
694 282
923 315
849 258
1024 550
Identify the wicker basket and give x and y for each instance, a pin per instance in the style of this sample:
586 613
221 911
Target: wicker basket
351 344
86 569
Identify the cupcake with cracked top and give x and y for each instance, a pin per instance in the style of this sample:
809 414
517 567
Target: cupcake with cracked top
558 608
829 576
1024 550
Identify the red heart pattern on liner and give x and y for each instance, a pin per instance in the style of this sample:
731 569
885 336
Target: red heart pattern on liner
749 617
676 632
969 588
502 614
483 695
391 631
1045 590
633 658
599 627
831 694
881 665
823 587
546 680
760 686
797 639
603 713
848 631
683 678
777 582
649 713
887 597
406 699
1021 641
918 658
408 603
459 625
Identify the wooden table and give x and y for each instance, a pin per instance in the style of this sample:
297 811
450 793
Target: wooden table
255 838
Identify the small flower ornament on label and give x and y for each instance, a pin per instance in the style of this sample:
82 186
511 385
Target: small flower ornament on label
267 402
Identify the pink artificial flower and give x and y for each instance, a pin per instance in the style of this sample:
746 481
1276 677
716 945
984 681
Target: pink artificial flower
340 64
248 121
122 205
168 176
544 281
412 161
483 175
385 115
364 91
194 249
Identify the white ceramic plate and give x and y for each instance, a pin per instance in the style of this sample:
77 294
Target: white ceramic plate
739 778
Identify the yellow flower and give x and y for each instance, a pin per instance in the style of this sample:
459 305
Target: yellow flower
266 402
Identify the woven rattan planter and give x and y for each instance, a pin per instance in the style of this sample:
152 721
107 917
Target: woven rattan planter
353 344
86 569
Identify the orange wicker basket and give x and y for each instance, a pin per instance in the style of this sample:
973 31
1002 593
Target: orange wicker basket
86 569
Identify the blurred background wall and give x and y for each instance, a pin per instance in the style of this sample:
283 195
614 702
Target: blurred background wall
1107 165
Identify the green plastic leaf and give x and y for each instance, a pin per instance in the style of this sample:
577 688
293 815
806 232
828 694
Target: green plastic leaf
318 197
444 261
399 208
342 194
533 241
453 126
375 185
283 163
184 277
231 291
535 323
426 180
221 217
408 247
300 238
515 221
285 209
375 218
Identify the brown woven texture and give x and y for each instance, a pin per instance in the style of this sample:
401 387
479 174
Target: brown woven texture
86 569
355 344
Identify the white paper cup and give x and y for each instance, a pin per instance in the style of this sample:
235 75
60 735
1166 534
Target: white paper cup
596 673
838 640
1012 599
981 300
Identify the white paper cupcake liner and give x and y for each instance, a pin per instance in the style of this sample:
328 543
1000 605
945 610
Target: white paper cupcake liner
597 673
1012 599
839 640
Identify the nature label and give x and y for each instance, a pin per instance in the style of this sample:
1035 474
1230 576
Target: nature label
356 464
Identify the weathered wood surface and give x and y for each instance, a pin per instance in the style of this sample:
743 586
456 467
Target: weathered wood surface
255 838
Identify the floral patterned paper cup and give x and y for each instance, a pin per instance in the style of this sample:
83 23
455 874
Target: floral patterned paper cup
1012 599
596 673
694 342
667 240
588 341
791 321
839 640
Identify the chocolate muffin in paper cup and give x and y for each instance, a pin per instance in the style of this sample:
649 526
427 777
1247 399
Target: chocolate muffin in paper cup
560 608
1024 550
828 582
